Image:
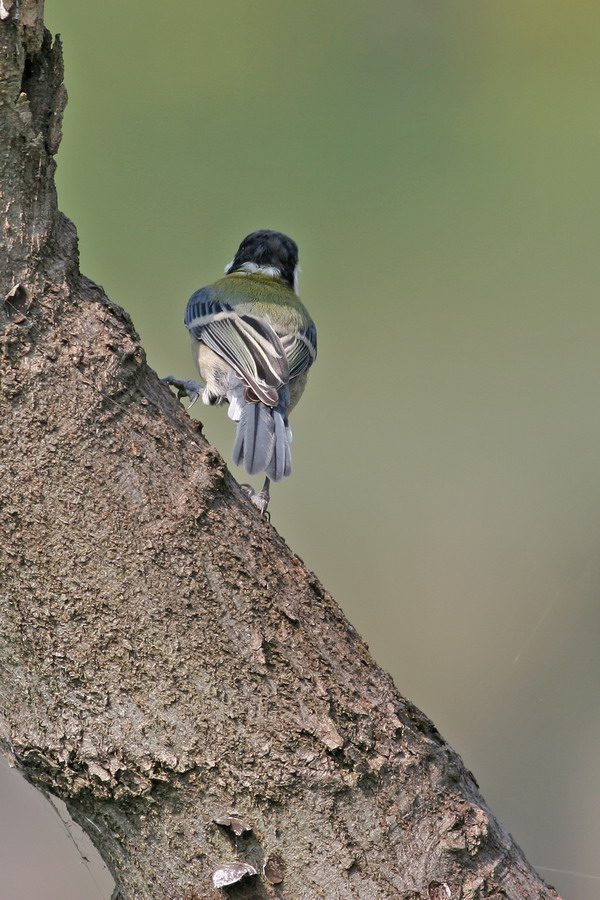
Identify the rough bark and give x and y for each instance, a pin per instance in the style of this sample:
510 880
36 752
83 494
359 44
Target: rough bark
165 660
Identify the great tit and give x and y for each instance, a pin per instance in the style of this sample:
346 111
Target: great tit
253 342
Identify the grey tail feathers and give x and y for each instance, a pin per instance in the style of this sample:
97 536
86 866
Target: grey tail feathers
262 442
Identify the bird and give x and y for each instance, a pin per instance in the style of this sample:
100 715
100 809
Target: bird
253 342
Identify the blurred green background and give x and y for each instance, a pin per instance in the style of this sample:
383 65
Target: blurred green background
438 165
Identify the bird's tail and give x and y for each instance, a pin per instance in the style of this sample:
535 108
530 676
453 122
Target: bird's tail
262 441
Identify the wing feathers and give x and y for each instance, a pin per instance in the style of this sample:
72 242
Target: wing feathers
300 348
249 344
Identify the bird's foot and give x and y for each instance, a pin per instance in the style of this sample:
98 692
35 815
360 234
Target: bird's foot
259 498
190 389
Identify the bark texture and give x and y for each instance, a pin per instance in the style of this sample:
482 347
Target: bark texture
167 666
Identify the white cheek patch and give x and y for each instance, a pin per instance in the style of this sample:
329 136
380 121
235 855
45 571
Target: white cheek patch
271 271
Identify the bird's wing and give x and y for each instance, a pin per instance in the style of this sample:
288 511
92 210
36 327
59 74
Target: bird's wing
300 349
249 344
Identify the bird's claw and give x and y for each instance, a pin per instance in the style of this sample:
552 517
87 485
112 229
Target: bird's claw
190 389
260 499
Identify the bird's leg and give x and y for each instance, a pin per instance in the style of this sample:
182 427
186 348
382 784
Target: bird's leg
190 389
260 499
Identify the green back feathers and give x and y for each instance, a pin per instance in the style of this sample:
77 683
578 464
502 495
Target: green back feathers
262 295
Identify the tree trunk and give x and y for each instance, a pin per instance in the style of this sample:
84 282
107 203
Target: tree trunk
168 667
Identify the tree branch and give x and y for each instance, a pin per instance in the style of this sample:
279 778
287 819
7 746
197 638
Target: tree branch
167 666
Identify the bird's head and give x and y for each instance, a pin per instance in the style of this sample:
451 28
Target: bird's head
268 253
